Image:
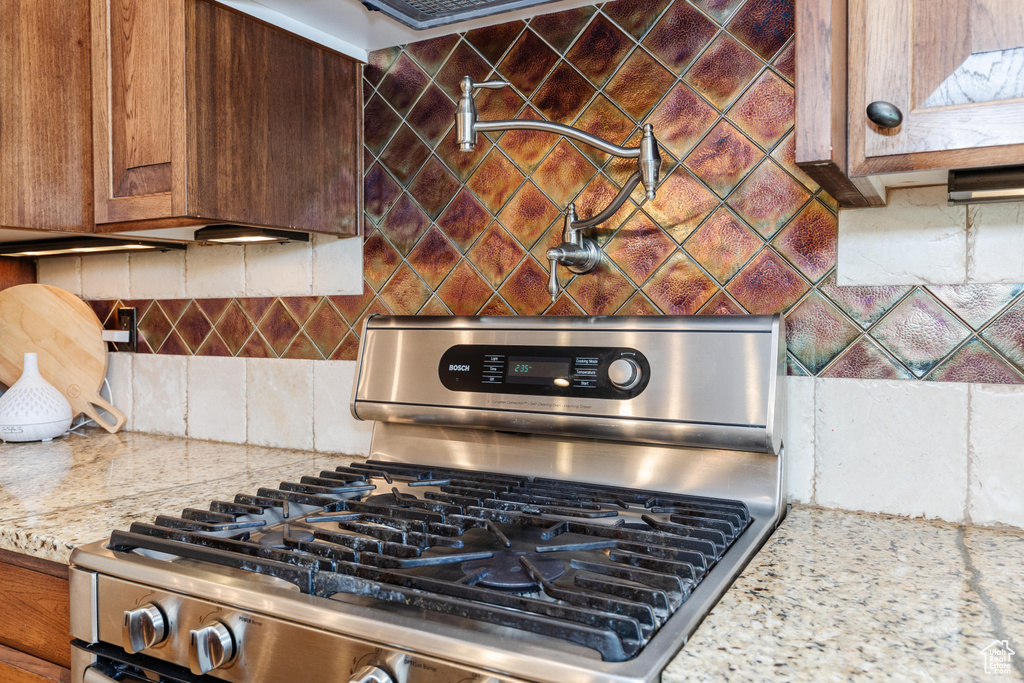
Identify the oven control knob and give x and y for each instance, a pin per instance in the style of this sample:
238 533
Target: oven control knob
143 628
371 674
211 646
624 373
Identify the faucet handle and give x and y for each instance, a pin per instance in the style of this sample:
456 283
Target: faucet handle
469 85
553 274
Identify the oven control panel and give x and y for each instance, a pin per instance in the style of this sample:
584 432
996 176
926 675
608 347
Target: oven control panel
572 371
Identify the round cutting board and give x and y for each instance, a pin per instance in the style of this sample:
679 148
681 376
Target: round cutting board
68 338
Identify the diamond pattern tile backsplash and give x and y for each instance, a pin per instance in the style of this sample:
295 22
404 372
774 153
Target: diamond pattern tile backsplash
736 227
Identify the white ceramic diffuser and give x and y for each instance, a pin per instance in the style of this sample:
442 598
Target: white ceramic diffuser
33 409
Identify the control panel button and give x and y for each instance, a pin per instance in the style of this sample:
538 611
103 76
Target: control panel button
371 674
211 646
143 628
624 373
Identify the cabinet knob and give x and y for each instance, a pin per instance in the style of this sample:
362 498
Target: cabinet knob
885 114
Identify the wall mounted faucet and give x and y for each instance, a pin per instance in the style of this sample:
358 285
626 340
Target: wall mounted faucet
577 252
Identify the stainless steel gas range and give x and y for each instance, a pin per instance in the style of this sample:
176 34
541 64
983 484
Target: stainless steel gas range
546 499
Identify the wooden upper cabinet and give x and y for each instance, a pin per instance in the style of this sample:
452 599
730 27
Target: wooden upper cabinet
204 115
954 69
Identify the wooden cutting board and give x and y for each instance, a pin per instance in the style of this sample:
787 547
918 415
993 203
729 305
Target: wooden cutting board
68 338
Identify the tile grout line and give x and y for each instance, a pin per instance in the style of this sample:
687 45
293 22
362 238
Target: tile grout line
970 453
814 440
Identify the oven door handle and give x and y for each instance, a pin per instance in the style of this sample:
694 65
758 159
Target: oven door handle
94 675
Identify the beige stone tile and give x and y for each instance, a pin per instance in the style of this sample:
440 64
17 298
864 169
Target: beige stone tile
159 390
279 402
157 275
63 271
997 442
996 243
216 399
105 276
335 430
214 271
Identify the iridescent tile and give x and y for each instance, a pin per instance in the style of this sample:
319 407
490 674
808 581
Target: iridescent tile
723 71
403 84
404 155
405 293
864 359
432 116
679 287
975 362
434 306
679 36
595 197
640 247
495 181
326 328
817 331
376 307
404 224
793 368
1006 334
865 304
721 10
379 260
278 327
256 347
234 327
785 154
681 119
828 200
434 257
102 308
559 29
919 332
764 25
765 111
681 205
528 62
174 346
767 284
496 306
809 241
639 84
214 346
154 327
563 173
301 307
464 291
785 63
638 304
551 238
526 289
768 198
432 53
378 62
722 245
434 187
976 304
636 16
498 103
605 120
379 192
464 61
564 306
723 158
351 306
302 348
528 214
601 291
527 147
462 164
257 306
464 219
721 304
493 41
600 50
213 309
563 95
173 308
495 254
348 349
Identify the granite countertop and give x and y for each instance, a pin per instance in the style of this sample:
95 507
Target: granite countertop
833 595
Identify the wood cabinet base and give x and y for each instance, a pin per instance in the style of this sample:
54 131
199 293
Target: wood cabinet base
36 605
18 667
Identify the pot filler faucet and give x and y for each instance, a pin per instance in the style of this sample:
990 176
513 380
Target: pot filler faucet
577 252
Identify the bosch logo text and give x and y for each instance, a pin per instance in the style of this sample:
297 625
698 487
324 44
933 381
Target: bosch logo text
458 368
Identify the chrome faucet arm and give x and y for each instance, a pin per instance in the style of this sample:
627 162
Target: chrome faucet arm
560 129
610 210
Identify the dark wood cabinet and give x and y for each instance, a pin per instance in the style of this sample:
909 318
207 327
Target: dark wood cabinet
35 633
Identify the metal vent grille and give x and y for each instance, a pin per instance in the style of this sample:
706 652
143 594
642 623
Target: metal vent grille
423 14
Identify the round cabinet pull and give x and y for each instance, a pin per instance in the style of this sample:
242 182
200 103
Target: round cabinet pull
885 114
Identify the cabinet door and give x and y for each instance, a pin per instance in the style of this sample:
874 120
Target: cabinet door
954 69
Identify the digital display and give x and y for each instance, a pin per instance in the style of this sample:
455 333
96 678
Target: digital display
526 370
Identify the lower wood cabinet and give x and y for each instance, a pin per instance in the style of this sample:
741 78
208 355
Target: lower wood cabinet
35 631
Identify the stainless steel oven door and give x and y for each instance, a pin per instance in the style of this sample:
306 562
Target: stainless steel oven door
102 663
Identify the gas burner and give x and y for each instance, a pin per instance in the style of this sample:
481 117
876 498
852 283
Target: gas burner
275 539
503 570
395 499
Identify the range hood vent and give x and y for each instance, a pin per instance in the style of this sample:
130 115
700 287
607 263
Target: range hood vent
424 14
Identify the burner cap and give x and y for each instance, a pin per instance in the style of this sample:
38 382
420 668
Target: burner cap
275 539
504 571
389 500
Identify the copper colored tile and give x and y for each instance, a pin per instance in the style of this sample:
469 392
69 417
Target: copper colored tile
368 158
528 62
256 307
722 245
404 155
193 327
493 41
720 10
636 16
723 158
434 257
495 254
1006 334
865 304
302 348
301 307
464 219
681 119
141 306
563 173
154 327
351 305
816 332
679 287
432 116
278 327
828 200
325 328
638 304
404 224
434 187
551 238
464 61
561 28
495 181
606 121
143 347
784 153
213 309
432 53
601 291
640 247
865 359
434 307
378 62
379 192
462 164
102 308
976 304
405 293
599 50
679 36
256 347
767 284
465 291
528 214
765 111
564 306
785 63
379 260
975 362
639 84
764 25
526 289
681 205
527 147
403 84
348 349
919 332
809 241
721 304
234 327
499 103
214 346
174 346
496 306
594 198
723 71
173 307
768 198
564 95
